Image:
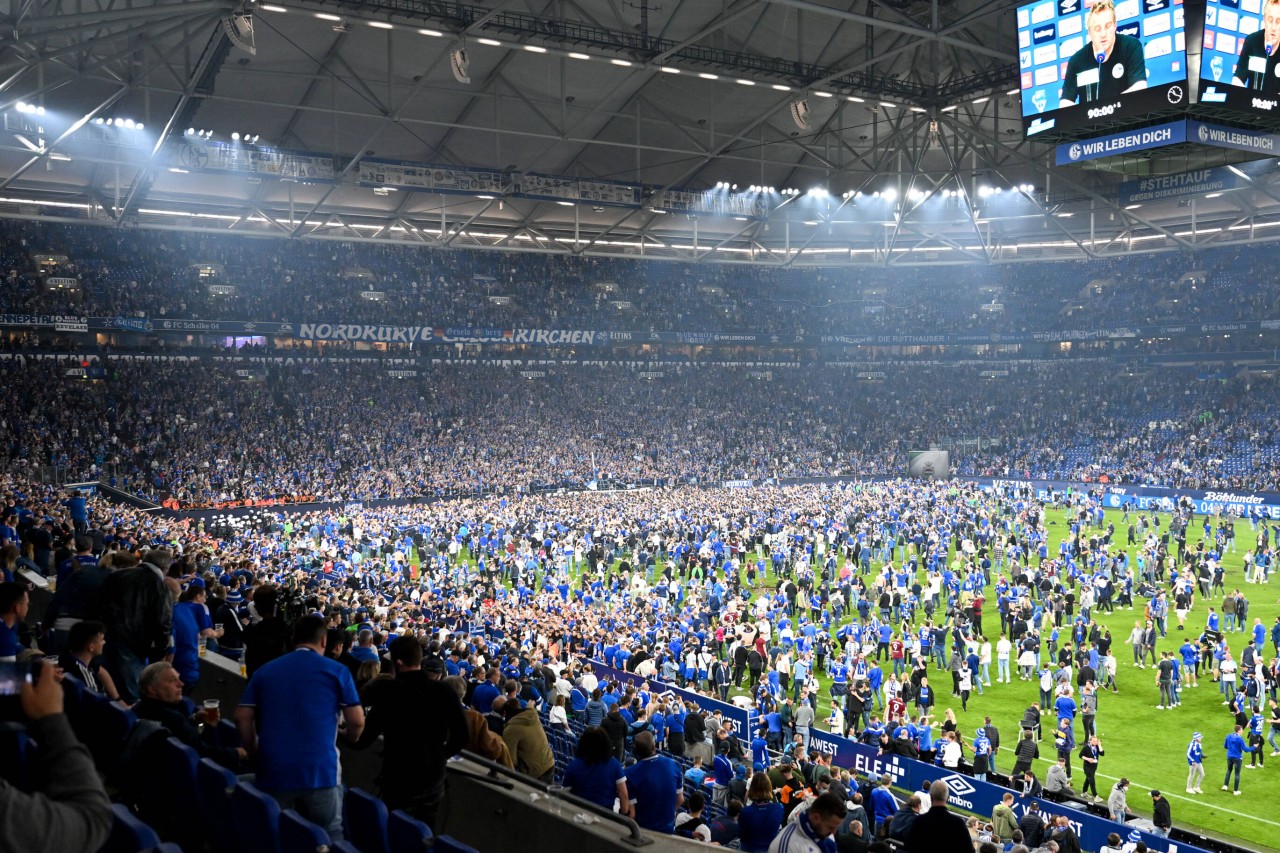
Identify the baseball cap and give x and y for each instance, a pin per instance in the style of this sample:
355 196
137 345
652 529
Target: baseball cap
1155 793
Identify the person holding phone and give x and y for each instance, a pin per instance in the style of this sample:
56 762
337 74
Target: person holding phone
69 810
1108 65
1258 67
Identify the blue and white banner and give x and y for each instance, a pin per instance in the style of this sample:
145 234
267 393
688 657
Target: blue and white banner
1159 498
972 795
1198 182
1256 141
1158 136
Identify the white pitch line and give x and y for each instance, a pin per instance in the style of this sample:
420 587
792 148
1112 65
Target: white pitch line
1185 798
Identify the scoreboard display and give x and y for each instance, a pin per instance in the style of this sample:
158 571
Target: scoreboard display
1240 62
1094 63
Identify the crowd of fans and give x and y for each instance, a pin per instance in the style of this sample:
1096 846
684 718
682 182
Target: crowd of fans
157 274
502 588
200 435
509 598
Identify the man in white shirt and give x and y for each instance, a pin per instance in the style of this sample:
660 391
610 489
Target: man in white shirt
1004 649
588 681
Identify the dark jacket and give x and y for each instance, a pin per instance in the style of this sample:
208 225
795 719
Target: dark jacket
1032 827
175 717
903 819
137 609
423 726
1025 752
75 597
264 641
1160 813
939 829
233 632
695 728
615 726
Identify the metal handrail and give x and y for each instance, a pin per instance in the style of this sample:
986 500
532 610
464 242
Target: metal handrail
634 837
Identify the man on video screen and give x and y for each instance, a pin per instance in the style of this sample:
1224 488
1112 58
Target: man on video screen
1109 64
1257 67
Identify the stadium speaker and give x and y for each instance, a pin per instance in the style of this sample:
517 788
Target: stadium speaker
800 113
458 64
239 28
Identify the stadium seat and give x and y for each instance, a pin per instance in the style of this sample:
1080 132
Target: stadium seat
215 784
178 764
365 819
15 751
128 834
406 833
299 835
448 844
256 817
226 735
104 725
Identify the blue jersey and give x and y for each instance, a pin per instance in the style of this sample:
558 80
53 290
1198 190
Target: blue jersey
839 673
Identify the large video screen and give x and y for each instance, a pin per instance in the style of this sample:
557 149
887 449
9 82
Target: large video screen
929 464
1240 61
1090 62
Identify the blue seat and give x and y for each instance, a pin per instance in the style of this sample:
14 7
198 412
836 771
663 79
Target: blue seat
365 818
343 847
299 835
171 801
257 819
170 847
214 783
226 735
448 844
406 833
15 752
180 763
128 834
102 727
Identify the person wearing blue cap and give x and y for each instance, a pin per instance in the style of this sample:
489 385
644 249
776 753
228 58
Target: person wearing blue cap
1195 763
981 754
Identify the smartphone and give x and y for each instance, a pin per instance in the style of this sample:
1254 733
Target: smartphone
12 676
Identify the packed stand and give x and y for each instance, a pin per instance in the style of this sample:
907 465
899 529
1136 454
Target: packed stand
200 435
156 274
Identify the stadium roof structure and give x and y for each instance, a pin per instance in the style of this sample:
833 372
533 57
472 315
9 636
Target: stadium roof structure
786 132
